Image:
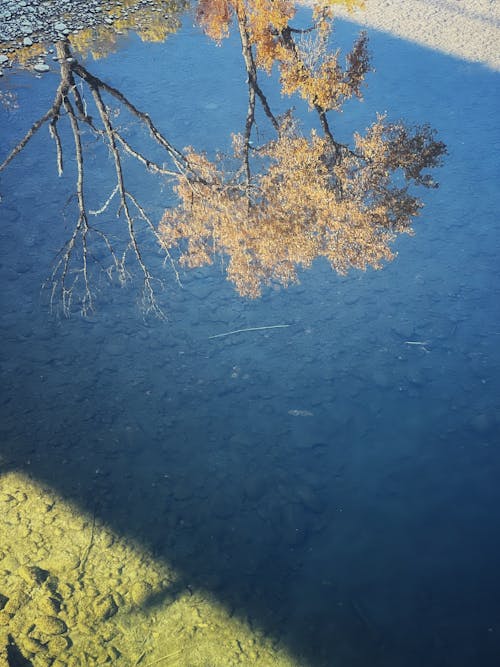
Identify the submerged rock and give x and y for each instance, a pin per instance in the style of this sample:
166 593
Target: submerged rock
105 607
58 644
32 575
51 625
140 592
16 601
310 499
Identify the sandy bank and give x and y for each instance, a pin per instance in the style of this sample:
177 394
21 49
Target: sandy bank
467 29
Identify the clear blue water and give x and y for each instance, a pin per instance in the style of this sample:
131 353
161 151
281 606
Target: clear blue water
364 533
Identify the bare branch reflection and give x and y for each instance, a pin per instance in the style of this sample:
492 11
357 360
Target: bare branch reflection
270 207
71 274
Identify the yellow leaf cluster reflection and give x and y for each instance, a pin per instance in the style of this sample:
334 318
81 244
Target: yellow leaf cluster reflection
152 22
272 209
301 204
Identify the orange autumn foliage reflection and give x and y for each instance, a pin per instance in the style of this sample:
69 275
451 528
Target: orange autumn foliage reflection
297 208
273 208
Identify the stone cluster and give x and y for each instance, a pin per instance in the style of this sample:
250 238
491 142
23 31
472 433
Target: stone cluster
24 23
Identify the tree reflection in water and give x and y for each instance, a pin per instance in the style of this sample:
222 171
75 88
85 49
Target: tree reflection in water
269 207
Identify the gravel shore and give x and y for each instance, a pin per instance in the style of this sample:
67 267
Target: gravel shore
26 23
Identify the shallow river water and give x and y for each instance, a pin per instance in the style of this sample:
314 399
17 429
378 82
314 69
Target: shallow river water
318 494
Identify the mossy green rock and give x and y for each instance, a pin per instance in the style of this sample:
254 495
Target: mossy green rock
51 625
140 592
34 576
58 644
50 605
17 600
104 607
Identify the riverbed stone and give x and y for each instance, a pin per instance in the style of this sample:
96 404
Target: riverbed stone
32 575
58 644
17 600
51 625
104 607
310 499
140 592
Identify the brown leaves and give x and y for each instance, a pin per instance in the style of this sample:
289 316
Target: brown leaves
322 81
393 146
214 16
298 197
296 211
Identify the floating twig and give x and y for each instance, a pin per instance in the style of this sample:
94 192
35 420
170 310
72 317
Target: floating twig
418 343
229 333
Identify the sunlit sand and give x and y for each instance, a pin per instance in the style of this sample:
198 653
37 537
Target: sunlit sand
467 29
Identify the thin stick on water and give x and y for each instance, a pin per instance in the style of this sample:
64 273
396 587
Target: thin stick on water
230 333
418 343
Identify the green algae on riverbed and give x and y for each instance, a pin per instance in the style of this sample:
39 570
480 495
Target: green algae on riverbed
74 593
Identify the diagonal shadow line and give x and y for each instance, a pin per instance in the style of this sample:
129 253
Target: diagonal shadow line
438 26
218 519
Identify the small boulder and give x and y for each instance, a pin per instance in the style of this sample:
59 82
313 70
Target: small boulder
51 625
140 592
105 607
58 644
32 575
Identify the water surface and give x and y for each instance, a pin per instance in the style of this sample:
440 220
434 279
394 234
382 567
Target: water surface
328 484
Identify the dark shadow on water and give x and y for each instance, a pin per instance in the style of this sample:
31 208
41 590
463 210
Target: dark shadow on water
274 514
